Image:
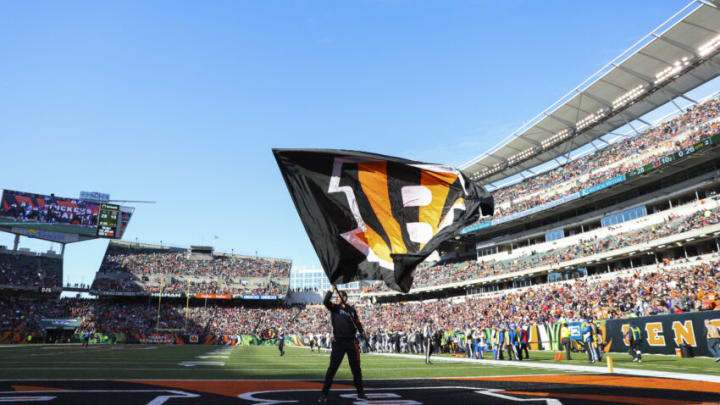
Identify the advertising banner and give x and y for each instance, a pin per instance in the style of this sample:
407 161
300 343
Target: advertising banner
94 196
603 185
257 297
167 295
46 235
214 296
157 338
575 328
60 323
662 334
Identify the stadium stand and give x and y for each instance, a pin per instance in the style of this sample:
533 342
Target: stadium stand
694 125
556 253
133 268
29 270
670 287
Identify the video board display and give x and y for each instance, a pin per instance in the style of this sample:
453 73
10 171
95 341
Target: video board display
108 220
61 219
48 212
125 215
714 140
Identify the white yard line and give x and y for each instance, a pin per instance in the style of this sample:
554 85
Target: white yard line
568 367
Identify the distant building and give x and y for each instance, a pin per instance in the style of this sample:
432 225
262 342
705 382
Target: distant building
315 279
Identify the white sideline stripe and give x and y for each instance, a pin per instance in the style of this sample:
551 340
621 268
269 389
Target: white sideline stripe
246 379
280 368
44 398
567 367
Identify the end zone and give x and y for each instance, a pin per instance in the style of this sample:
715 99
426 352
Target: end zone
545 389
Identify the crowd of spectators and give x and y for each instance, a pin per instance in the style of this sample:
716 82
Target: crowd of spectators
160 261
21 270
667 288
128 268
687 129
23 315
445 273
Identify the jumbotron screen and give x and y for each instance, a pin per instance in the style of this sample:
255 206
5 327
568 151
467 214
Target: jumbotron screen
48 212
51 217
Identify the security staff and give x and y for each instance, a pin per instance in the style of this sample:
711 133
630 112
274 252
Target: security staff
634 335
565 339
713 339
346 325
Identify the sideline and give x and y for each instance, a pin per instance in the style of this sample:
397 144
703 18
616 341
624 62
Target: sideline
568 367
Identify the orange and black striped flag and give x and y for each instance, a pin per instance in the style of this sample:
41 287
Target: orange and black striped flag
375 217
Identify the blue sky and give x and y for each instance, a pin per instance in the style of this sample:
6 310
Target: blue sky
181 102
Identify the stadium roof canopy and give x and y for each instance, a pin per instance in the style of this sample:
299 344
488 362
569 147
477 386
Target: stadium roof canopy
676 57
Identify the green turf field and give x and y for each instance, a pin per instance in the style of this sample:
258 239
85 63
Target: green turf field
700 365
264 362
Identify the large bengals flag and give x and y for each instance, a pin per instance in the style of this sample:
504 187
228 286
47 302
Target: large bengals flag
375 217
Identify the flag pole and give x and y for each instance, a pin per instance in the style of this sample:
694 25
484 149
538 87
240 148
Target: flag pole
187 304
157 325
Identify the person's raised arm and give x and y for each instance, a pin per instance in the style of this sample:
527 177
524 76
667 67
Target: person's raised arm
328 295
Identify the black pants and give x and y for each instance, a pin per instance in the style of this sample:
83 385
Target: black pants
523 347
566 343
339 349
281 346
635 350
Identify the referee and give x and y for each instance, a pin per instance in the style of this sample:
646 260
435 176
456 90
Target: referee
428 335
346 325
281 342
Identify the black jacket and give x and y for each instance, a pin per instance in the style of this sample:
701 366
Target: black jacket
345 321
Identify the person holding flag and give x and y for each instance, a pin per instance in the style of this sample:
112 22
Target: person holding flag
376 217
346 326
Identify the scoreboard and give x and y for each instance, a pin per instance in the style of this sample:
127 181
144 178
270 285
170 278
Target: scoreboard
108 220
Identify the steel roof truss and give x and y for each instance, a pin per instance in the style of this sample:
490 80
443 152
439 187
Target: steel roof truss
676 44
702 27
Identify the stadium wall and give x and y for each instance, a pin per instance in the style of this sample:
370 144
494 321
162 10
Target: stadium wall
663 334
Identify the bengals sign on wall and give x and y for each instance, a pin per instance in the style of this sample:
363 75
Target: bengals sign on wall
662 334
